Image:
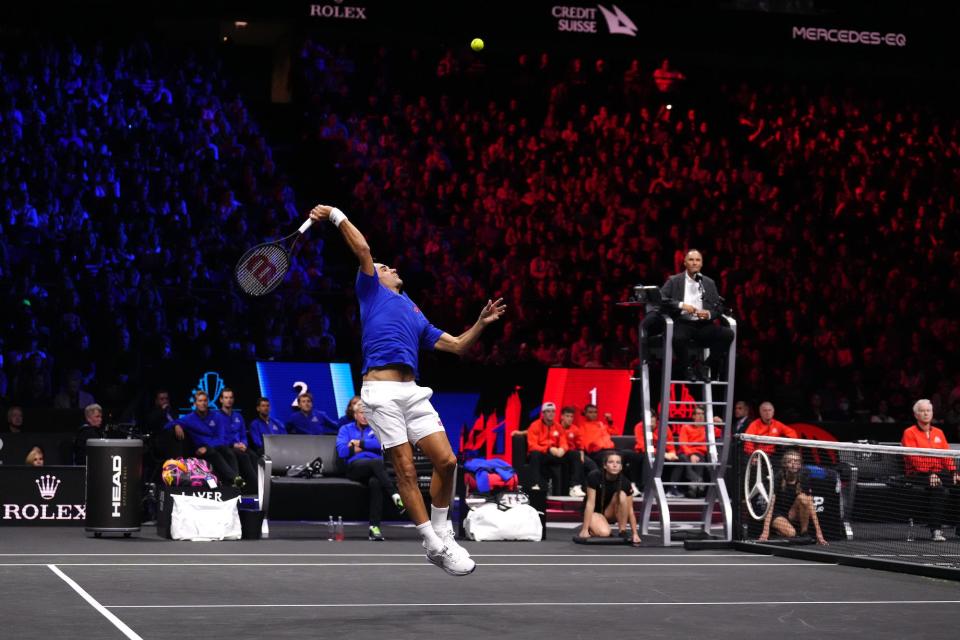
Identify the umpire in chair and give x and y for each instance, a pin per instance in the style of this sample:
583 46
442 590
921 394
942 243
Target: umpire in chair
693 301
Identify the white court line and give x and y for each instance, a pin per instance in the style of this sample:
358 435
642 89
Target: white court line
530 604
117 622
184 565
371 555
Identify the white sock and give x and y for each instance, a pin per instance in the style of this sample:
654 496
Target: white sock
438 516
430 538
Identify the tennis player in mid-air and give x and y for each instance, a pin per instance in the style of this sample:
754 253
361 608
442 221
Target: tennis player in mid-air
393 332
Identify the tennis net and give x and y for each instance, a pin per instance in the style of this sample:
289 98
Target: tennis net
870 500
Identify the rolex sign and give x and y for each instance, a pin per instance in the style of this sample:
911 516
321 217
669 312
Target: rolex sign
41 495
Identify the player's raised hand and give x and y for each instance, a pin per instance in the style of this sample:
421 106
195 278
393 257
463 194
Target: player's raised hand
320 212
492 311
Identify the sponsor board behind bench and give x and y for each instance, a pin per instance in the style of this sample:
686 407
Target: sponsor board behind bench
42 495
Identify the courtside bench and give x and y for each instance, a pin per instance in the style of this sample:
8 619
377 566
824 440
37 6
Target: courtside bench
312 498
522 466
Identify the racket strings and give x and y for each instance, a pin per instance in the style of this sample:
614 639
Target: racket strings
262 269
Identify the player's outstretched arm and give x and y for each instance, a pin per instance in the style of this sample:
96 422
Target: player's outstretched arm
462 343
355 240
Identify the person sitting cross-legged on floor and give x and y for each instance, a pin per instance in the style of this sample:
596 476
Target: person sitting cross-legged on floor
359 448
608 499
792 509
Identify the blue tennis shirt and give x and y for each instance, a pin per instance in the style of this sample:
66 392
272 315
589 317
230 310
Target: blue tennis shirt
394 328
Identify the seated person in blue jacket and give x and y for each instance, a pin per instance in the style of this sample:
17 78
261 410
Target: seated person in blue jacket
359 448
200 434
235 439
608 499
308 420
264 425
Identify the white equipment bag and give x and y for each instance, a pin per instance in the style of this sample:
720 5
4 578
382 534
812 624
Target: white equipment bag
489 522
202 520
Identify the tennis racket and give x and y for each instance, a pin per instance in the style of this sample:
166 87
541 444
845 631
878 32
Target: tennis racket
262 268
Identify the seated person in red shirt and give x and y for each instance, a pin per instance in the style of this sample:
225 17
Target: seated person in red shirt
572 429
635 461
765 425
936 474
547 446
791 507
595 435
575 440
607 500
693 449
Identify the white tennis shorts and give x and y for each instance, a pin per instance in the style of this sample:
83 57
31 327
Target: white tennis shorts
399 411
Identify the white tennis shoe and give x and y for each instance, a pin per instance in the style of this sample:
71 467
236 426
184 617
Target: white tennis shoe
453 560
450 541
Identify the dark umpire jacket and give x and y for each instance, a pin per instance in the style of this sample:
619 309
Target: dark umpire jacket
672 292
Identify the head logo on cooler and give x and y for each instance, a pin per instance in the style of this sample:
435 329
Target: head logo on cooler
116 493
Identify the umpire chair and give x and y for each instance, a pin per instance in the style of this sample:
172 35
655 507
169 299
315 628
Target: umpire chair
713 393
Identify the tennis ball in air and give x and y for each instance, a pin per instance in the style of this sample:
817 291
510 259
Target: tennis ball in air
476 44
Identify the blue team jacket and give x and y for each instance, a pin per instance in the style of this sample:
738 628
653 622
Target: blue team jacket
351 431
259 428
205 432
314 423
234 430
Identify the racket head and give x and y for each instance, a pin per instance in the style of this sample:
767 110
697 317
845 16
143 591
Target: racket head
262 268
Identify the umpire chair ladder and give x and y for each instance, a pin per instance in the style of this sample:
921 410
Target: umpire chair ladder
718 453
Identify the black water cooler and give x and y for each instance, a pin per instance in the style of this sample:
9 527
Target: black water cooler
114 478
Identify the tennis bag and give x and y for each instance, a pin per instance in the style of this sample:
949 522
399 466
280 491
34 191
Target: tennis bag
491 521
202 519
188 472
489 475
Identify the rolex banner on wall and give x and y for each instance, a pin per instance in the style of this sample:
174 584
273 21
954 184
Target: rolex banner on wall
42 495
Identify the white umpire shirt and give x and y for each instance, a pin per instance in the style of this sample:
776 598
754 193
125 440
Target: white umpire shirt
692 295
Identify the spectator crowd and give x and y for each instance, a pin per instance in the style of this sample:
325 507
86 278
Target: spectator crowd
825 216
133 177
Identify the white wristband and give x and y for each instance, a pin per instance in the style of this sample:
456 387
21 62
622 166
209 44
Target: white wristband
337 216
